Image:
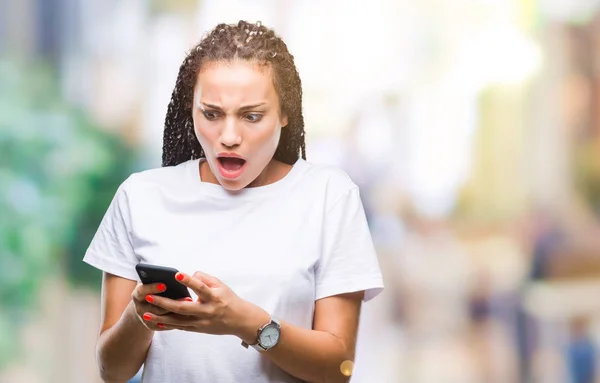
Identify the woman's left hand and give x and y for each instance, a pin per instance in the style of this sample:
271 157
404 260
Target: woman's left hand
217 311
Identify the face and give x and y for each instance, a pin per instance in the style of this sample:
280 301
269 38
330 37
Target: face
237 120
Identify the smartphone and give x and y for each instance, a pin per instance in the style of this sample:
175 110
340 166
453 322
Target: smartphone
160 274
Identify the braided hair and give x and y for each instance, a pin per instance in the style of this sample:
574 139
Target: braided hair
228 42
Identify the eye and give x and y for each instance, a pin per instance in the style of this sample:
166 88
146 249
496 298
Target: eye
210 115
253 117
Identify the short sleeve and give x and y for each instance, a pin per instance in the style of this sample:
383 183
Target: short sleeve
348 260
111 248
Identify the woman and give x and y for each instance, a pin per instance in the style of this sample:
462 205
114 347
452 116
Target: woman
279 248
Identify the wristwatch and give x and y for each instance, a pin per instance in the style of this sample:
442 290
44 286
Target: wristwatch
268 336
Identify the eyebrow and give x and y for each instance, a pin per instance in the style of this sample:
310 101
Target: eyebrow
245 107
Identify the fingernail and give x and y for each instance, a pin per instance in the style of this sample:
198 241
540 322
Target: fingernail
188 299
179 277
147 316
150 298
161 287
160 325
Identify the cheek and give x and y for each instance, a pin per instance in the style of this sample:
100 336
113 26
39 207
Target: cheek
205 136
266 142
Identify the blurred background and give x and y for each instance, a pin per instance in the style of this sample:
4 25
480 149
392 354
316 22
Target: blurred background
472 127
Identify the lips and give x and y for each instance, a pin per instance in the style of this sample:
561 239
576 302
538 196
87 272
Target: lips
231 165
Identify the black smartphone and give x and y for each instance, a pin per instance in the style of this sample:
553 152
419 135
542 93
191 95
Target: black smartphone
160 274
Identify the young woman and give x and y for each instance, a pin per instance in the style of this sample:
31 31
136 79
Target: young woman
275 251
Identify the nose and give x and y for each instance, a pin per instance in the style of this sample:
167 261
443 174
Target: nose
231 135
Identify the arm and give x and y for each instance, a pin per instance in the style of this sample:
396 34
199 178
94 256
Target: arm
313 355
124 340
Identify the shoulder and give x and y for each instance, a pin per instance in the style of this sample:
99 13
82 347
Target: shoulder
163 177
328 179
329 174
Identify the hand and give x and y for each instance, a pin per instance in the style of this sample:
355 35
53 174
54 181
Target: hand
142 306
217 311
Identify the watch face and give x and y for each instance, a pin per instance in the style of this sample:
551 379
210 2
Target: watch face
269 336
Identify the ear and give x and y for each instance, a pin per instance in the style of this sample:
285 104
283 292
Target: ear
284 121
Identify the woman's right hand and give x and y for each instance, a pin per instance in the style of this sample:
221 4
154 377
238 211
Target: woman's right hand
142 306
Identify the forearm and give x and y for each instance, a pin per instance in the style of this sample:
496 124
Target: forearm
313 356
122 349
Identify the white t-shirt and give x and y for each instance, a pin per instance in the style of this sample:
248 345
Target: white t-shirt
281 246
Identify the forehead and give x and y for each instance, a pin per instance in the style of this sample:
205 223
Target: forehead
236 81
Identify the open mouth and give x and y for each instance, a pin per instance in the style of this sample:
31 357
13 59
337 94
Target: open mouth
231 164
231 167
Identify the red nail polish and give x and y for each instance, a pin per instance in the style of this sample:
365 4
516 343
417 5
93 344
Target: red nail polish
146 317
179 277
149 299
188 299
161 287
160 325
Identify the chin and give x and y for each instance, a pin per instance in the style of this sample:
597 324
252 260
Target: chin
232 185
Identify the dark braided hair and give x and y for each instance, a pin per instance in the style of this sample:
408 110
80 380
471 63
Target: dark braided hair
228 42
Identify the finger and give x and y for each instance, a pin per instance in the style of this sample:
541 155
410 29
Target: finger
144 307
166 327
208 280
201 289
151 298
142 290
155 326
167 319
182 306
150 325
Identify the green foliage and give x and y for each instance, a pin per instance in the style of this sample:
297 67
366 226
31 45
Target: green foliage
587 173
58 173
